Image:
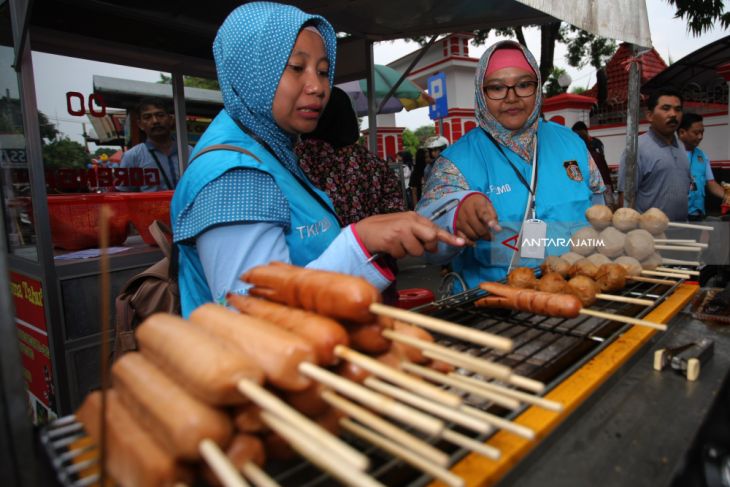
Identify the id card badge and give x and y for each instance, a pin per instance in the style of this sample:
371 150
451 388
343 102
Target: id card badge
534 233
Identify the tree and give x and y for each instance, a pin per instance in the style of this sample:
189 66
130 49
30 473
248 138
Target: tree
551 86
65 153
424 132
193 82
410 141
48 129
104 150
701 15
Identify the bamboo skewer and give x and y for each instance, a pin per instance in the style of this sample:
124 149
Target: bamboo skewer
220 464
623 319
269 402
302 443
651 280
397 377
257 476
105 214
379 441
624 299
444 327
519 395
683 271
501 423
680 248
506 402
439 410
472 445
472 363
387 429
674 275
690 225
691 263
688 243
373 400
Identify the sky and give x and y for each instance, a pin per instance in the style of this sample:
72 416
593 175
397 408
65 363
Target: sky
56 75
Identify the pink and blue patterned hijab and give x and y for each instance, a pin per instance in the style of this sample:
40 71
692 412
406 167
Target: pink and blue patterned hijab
522 140
251 50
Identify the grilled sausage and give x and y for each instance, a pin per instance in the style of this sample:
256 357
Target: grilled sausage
172 343
327 293
368 337
503 296
134 459
309 401
322 333
248 419
408 352
277 351
243 449
175 419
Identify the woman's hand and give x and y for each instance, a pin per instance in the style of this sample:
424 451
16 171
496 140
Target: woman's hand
401 234
476 218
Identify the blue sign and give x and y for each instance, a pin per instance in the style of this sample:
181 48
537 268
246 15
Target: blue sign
437 91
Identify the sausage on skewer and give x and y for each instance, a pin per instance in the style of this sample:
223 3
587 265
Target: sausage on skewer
503 296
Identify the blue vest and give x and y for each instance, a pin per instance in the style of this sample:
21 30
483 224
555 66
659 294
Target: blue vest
312 226
562 195
697 167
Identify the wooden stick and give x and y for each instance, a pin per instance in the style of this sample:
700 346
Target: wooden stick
690 225
442 326
651 280
257 476
680 248
396 450
105 214
672 269
387 429
665 274
397 377
623 319
269 402
439 410
624 299
453 357
519 395
501 423
691 263
687 243
373 400
429 374
471 445
220 464
302 443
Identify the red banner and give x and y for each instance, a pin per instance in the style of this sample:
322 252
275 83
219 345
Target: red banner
30 321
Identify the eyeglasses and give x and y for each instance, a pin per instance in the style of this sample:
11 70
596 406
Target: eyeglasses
523 89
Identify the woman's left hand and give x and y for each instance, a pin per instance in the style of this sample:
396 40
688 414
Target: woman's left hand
401 234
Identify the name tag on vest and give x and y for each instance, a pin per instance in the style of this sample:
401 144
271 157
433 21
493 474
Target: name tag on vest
534 233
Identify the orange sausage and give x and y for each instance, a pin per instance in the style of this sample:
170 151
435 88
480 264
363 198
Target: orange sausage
322 333
503 296
242 450
368 338
309 401
277 351
412 353
327 293
248 419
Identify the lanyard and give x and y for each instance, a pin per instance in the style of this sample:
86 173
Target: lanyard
169 165
532 187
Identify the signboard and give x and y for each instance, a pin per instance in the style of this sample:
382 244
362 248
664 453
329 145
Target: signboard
437 91
30 321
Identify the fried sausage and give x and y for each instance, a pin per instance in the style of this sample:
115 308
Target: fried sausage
323 333
352 372
327 293
248 419
242 450
134 459
408 352
503 296
277 351
368 338
175 419
309 401
206 366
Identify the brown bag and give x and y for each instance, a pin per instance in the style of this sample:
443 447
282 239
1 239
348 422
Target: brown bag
151 291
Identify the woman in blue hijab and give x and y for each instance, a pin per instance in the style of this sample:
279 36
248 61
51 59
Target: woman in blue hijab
235 209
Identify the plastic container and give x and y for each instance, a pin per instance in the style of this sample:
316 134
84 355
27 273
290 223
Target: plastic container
144 208
410 298
75 220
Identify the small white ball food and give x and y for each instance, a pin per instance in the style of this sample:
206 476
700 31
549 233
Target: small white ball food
599 259
652 262
626 219
599 216
571 257
584 241
639 244
632 266
654 221
611 243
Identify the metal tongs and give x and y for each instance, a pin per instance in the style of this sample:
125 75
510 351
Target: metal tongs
686 359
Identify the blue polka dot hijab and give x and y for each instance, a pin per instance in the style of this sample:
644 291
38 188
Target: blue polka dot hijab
522 140
251 50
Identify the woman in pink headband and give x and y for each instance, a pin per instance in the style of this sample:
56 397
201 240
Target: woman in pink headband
513 168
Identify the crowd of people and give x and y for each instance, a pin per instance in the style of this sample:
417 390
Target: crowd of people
300 189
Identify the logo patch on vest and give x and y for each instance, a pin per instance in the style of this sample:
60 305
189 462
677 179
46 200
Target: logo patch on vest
573 171
701 159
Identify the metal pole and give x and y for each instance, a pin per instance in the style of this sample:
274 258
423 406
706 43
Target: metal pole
181 127
632 131
372 107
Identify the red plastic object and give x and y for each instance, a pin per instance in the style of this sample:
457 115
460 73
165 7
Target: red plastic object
75 220
144 208
410 298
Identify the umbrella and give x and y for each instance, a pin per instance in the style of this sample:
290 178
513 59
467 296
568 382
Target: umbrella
408 95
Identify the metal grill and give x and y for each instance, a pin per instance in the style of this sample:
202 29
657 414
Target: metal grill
545 349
